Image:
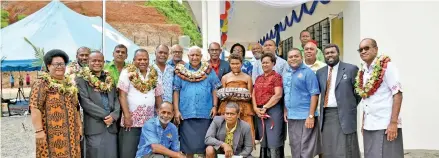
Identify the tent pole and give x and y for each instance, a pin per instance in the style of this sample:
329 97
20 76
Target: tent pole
103 25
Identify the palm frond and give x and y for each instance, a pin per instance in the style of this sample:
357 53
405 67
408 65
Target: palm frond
39 54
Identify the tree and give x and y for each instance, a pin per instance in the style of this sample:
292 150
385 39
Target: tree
4 18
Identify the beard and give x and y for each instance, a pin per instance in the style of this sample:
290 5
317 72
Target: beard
333 62
164 121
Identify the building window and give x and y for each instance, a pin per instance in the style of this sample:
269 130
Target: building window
285 46
320 33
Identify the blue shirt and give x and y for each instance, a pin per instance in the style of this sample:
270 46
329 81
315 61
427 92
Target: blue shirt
153 133
299 85
247 67
196 99
279 67
166 78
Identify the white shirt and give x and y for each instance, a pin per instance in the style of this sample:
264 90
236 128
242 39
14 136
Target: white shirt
332 101
378 107
316 66
141 105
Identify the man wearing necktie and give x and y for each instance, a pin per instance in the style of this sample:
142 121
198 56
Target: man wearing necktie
338 106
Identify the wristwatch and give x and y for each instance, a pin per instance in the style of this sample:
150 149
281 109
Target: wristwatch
311 116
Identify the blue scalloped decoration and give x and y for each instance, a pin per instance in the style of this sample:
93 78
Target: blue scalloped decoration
289 21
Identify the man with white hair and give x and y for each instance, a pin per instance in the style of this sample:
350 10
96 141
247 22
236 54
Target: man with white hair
195 101
257 51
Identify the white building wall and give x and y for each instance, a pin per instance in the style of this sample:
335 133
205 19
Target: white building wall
322 11
408 32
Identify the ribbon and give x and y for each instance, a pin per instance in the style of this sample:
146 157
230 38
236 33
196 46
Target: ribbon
265 116
295 17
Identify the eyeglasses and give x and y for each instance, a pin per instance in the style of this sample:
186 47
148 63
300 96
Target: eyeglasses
366 48
58 65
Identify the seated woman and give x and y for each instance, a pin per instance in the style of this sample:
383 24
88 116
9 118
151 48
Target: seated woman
229 135
238 88
247 66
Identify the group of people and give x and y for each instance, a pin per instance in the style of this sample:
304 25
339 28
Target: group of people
170 108
20 82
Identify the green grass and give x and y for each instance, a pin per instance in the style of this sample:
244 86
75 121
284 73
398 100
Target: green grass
178 14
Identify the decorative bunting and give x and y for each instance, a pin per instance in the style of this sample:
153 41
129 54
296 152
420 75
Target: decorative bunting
289 21
224 23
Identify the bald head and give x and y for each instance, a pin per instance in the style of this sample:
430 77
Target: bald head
177 53
167 105
310 52
214 44
176 47
165 112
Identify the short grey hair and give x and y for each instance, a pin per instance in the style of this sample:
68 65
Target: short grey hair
195 48
233 105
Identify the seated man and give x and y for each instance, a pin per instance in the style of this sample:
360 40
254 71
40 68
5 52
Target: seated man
159 137
229 135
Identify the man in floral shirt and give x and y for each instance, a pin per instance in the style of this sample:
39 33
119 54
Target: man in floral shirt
139 94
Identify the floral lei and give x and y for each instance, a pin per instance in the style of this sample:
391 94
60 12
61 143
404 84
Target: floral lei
375 80
94 81
72 68
65 87
142 86
193 76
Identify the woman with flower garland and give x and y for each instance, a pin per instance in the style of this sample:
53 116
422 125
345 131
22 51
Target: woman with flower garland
238 88
139 95
53 102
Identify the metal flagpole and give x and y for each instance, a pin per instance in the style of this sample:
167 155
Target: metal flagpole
103 25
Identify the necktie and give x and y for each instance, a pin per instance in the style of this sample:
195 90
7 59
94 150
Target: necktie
328 86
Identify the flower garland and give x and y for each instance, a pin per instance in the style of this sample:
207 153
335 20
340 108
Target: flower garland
375 80
66 87
94 81
142 86
193 76
72 68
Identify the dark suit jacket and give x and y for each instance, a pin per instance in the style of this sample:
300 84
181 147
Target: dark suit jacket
94 112
347 99
223 69
242 137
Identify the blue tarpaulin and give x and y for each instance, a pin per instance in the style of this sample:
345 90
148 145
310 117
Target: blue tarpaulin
56 26
19 65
